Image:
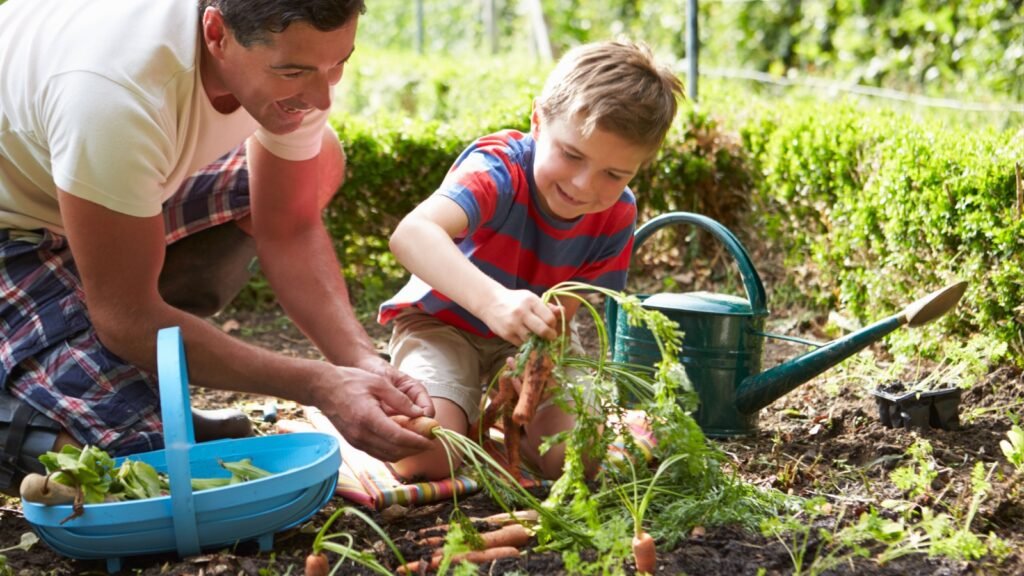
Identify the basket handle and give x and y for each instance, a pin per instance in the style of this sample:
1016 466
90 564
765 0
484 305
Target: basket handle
179 435
751 280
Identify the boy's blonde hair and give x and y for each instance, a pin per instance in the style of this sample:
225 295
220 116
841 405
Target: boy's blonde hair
616 86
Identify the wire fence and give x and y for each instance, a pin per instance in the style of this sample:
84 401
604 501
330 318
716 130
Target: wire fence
863 90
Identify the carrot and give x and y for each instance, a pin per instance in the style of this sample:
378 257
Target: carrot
506 395
42 490
536 379
644 553
474 557
316 565
511 535
422 425
512 435
431 541
509 517
501 519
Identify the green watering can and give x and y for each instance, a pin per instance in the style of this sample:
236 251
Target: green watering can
724 338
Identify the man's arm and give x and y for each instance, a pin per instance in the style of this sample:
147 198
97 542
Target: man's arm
298 258
422 242
119 258
297 254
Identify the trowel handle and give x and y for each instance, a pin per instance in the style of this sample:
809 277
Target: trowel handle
751 281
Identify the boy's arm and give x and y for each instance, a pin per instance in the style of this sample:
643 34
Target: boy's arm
422 243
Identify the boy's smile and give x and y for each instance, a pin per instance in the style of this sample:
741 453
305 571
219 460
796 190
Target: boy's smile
577 174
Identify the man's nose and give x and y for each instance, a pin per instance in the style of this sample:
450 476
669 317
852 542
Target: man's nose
319 92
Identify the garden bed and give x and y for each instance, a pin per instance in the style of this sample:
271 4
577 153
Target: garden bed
823 439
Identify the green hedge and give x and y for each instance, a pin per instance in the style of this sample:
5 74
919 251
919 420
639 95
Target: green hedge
887 208
392 167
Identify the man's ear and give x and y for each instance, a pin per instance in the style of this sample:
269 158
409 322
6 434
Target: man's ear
215 32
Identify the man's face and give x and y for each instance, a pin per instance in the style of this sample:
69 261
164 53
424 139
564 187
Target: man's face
280 82
577 175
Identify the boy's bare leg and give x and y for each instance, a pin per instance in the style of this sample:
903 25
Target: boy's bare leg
548 421
433 464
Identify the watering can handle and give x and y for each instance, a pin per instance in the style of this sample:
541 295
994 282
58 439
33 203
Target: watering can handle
751 281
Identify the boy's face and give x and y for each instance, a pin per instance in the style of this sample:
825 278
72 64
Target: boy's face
576 174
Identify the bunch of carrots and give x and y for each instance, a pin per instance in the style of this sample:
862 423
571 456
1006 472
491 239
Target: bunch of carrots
510 534
519 393
503 542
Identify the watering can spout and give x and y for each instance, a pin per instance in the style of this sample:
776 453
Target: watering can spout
760 390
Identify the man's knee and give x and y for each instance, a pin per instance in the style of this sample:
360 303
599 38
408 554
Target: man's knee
203 272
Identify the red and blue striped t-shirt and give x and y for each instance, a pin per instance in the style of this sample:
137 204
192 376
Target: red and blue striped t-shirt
512 240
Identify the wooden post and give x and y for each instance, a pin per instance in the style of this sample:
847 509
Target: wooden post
539 25
491 24
420 32
692 49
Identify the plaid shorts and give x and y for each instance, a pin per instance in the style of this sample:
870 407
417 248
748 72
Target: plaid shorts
50 355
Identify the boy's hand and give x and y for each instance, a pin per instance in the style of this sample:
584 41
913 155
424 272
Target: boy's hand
516 314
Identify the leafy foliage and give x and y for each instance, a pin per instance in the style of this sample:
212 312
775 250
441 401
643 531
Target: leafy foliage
94 473
916 479
971 48
28 539
1013 447
90 469
890 208
687 487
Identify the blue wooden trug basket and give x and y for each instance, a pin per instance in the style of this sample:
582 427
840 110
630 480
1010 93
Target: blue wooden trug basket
304 467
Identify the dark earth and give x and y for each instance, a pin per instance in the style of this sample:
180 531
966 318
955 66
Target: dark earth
822 439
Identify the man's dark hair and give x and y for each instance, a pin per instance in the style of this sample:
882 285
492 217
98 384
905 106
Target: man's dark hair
252 21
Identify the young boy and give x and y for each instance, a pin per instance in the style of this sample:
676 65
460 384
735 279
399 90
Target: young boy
517 214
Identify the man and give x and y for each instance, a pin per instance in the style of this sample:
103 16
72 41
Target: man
108 109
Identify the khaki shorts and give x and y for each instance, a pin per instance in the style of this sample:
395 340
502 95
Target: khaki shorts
451 363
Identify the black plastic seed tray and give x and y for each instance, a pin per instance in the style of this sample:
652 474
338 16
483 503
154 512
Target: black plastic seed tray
938 409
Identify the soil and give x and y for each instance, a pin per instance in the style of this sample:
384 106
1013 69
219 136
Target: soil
822 439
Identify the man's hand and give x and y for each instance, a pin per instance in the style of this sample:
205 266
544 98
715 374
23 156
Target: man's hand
358 406
417 395
516 314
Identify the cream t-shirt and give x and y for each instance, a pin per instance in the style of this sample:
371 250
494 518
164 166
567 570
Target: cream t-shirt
103 99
